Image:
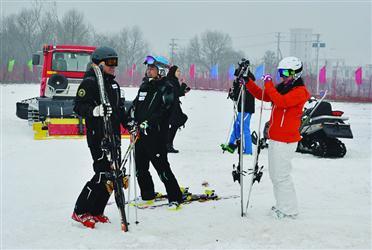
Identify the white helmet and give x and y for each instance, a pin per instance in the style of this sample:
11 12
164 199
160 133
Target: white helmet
290 66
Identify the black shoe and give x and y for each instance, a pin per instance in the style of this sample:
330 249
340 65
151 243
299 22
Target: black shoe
171 149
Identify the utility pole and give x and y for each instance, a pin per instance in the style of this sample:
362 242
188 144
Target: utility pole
173 46
278 52
318 45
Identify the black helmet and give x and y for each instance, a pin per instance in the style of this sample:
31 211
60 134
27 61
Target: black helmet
104 53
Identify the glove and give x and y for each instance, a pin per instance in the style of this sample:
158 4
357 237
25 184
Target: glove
267 78
102 110
143 127
132 126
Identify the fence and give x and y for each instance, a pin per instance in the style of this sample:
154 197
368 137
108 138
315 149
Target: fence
342 89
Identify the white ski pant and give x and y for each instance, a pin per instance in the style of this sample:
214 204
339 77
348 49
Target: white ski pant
280 167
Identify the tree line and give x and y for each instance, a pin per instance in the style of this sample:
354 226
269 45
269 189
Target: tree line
25 32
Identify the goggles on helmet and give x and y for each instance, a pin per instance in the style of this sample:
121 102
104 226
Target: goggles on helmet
111 62
149 60
286 72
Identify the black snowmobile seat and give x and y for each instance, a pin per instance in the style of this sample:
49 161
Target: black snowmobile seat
324 108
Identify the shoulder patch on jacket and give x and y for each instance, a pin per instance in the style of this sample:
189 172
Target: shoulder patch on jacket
81 92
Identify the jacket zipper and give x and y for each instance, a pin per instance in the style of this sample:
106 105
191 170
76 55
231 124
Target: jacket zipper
282 122
272 118
152 100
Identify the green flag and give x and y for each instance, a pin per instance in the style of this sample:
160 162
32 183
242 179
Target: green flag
30 66
11 65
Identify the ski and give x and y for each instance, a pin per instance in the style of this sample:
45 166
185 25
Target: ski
161 200
256 170
112 151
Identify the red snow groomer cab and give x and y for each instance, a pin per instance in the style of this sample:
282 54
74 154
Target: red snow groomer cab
51 114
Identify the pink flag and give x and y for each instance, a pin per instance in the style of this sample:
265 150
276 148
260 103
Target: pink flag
131 71
322 75
358 76
192 72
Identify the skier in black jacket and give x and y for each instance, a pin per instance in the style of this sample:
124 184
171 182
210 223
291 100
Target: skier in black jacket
249 107
93 198
177 118
152 108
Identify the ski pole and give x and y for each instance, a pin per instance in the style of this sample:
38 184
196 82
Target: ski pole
241 153
234 117
133 161
129 180
311 113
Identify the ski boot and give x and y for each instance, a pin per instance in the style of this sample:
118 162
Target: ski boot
174 206
279 215
171 149
85 219
228 147
101 218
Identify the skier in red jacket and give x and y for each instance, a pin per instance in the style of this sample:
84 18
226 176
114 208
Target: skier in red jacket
288 99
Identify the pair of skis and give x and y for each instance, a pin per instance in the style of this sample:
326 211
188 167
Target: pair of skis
256 170
208 195
111 147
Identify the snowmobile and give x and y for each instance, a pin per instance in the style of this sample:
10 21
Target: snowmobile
51 114
320 129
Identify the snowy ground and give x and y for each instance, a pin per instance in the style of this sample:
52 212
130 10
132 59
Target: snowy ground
40 181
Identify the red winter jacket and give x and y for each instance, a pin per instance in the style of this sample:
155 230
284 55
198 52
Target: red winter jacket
286 110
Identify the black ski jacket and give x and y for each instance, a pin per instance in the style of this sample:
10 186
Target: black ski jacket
249 98
88 97
177 117
153 104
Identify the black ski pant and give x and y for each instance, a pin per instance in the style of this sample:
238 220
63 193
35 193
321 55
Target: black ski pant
152 150
172 134
94 196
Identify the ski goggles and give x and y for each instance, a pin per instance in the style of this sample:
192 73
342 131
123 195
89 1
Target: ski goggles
149 60
286 72
111 62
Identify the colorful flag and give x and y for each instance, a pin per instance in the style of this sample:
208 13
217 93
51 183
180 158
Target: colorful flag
131 71
214 72
323 75
358 76
260 71
30 66
277 78
11 65
231 72
192 72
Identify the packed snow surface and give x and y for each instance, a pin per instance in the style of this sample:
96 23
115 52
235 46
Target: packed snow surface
40 182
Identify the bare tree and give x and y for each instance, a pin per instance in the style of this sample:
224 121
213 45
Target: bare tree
181 60
214 47
132 46
72 29
270 61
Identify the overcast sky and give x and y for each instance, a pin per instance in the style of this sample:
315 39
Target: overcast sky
345 26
